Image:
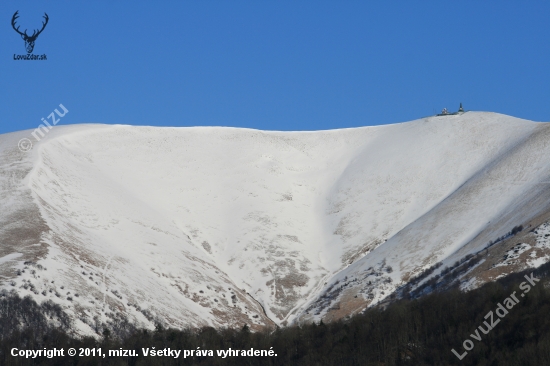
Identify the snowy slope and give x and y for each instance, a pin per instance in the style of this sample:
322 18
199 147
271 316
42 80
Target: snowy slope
224 226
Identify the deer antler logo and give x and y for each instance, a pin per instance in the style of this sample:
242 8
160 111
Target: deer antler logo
29 40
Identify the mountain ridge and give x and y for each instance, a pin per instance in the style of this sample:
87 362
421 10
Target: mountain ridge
225 226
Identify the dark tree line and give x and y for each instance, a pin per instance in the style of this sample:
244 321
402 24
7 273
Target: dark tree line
407 332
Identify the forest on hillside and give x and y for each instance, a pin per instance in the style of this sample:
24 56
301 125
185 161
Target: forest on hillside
407 332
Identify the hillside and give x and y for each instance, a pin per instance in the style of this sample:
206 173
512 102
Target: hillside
224 226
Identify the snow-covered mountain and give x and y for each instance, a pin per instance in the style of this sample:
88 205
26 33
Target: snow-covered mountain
225 226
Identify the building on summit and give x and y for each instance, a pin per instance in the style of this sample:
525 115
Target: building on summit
446 112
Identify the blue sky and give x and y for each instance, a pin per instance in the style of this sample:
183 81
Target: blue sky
276 65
